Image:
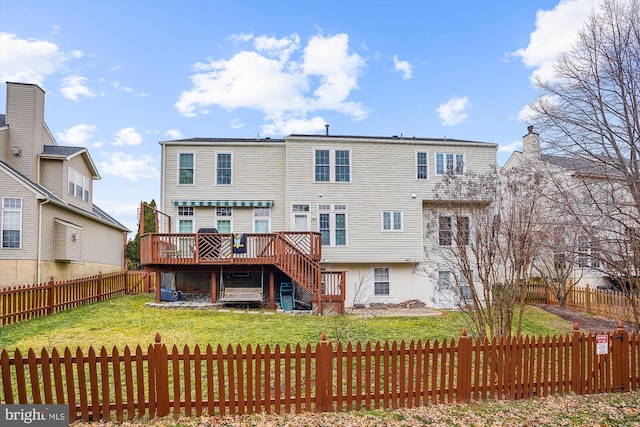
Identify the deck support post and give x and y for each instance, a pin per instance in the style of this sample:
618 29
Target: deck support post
272 291
214 287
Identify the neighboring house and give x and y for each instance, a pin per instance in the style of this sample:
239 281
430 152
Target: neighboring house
369 199
567 173
50 226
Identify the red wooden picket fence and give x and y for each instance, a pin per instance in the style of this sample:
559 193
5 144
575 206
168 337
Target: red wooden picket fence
30 301
125 384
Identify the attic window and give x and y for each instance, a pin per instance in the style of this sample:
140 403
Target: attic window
78 185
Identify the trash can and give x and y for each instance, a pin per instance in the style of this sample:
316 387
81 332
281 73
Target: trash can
169 295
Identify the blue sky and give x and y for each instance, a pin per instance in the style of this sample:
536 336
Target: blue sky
120 76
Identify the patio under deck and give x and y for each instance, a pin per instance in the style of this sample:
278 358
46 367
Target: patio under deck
296 254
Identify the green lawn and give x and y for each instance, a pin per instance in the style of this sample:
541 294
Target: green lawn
125 321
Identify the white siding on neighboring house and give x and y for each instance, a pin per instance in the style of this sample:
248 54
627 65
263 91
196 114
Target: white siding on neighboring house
28 248
35 172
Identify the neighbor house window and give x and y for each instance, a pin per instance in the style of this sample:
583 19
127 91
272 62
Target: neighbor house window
449 163
465 288
186 168
332 165
421 165
223 169
78 185
381 281
261 220
444 231
223 219
332 224
587 256
462 228
11 222
392 221
185 219
444 279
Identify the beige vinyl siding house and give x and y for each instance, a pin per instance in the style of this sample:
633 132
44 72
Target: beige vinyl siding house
367 196
224 171
49 225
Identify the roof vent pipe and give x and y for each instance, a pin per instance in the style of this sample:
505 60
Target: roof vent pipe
327 127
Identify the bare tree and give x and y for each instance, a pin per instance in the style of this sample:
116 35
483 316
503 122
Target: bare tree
558 261
589 114
484 232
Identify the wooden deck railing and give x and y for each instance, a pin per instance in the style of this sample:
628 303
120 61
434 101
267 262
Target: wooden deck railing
218 248
158 381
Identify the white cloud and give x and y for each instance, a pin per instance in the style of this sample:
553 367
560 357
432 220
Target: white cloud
237 124
289 126
28 61
242 37
174 133
453 111
510 148
280 81
77 135
127 166
127 136
403 66
74 86
282 49
555 32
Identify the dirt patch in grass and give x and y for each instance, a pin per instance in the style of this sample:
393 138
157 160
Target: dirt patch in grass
586 322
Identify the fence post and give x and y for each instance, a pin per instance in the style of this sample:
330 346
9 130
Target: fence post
161 375
99 286
587 297
126 281
576 360
324 370
464 368
50 299
620 358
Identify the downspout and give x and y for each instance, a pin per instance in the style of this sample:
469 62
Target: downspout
40 238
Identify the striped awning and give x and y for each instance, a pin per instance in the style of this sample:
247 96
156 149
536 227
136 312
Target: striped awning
229 203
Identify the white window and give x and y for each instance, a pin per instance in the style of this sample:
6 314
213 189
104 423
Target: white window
444 280
465 288
332 165
185 219
78 185
392 221
186 168
300 217
445 230
421 165
11 223
587 256
449 163
381 281
332 224
223 219
224 164
261 220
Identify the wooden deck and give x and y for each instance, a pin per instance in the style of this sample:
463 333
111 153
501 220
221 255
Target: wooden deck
297 254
